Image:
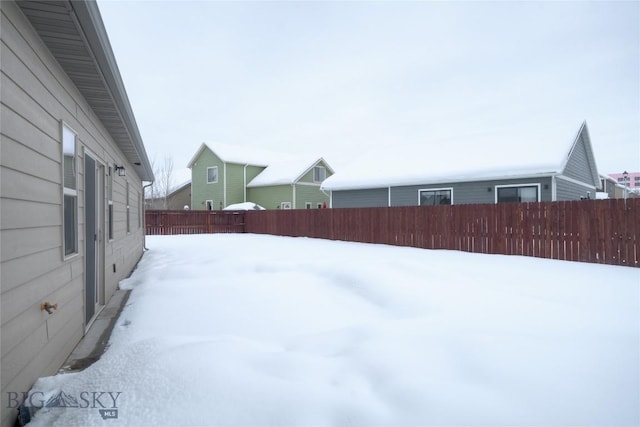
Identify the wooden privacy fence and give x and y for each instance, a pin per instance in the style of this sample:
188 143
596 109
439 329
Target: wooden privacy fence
193 222
597 231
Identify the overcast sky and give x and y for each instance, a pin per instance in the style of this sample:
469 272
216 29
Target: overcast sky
340 78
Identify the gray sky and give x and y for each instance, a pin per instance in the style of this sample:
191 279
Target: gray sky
340 78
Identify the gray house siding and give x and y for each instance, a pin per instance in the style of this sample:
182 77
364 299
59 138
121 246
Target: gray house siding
369 198
567 190
578 166
36 96
467 192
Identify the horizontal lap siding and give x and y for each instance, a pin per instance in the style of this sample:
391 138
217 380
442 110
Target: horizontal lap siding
376 197
36 95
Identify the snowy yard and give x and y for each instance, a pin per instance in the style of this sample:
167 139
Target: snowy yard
262 330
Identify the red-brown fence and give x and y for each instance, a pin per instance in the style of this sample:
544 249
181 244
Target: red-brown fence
193 222
597 231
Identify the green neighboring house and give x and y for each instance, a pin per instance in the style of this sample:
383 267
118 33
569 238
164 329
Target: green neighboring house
222 175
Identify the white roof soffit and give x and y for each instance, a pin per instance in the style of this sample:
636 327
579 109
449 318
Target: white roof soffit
74 33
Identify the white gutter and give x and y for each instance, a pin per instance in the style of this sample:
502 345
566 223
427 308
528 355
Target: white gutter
293 193
224 185
244 186
554 189
388 196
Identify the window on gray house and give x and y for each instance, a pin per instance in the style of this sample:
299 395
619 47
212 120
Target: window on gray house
525 194
435 197
70 191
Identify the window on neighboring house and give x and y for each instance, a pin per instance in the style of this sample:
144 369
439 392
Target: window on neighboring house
518 194
435 197
212 175
209 204
110 203
128 208
319 205
319 173
307 205
620 179
70 190
285 205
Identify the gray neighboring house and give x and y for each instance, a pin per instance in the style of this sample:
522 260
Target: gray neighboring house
177 199
72 167
482 172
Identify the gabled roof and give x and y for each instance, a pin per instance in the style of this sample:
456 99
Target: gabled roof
239 154
496 155
287 172
74 33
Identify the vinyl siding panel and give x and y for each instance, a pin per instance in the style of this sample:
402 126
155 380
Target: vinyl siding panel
36 96
235 184
567 190
271 197
309 193
374 197
578 166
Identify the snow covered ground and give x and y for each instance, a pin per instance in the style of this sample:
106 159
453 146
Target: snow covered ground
262 330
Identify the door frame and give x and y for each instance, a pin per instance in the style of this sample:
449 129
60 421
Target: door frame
100 227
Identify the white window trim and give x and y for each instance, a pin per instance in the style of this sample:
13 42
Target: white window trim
69 191
319 205
307 205
283 204
531 184
435 189
314 173
206 204
207 177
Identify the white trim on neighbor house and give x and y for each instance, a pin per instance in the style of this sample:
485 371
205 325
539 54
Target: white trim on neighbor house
450 189
285 205
208 203
309 184
319 205
224 184
575 181
307 205
532 184
388 196
293 194
207 177
554 189
66 191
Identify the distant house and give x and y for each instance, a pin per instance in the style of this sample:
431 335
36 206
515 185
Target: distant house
222 175
177 199
632 179
479 170
72 168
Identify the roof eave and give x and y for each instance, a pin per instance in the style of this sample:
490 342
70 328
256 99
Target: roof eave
113 110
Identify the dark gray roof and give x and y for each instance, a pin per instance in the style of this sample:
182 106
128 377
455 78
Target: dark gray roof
74 33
